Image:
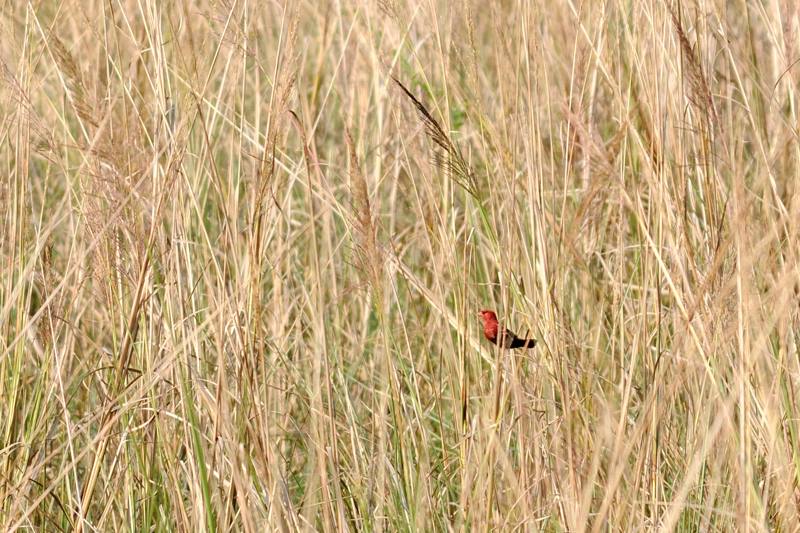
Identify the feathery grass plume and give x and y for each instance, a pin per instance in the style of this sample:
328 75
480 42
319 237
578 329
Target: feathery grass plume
598 159
265 172
18 98
790 22
699 92
73 80
369 257
390 9
449 159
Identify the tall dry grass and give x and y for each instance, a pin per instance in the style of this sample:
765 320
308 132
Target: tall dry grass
240 265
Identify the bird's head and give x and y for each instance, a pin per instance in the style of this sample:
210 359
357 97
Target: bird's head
487 316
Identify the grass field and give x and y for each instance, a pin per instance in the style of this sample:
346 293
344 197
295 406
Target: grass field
240 265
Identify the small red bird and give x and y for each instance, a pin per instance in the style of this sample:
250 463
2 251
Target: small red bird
507 339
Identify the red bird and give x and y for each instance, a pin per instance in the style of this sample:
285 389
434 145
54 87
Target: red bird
507 338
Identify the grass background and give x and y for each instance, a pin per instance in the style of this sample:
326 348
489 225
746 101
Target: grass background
240 276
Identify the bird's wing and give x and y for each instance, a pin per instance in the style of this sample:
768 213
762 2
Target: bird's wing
507 338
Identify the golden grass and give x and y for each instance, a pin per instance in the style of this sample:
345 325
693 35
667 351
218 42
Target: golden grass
241 265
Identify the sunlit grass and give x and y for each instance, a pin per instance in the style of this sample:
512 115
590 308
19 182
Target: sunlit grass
241 266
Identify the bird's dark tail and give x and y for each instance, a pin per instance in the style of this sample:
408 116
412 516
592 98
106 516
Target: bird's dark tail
523 343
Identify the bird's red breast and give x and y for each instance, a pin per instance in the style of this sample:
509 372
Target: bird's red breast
490 324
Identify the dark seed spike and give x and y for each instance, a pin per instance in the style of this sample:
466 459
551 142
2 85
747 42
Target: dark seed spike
451 161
